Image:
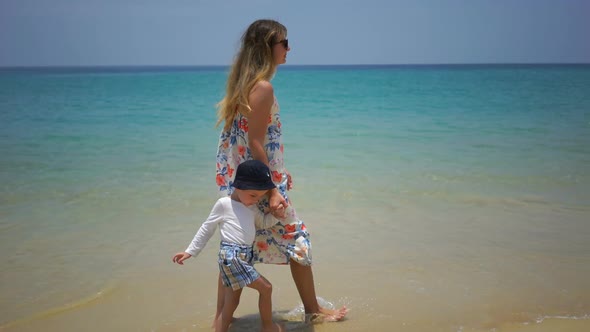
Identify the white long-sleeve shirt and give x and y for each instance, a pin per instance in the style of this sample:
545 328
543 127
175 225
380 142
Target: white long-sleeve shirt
237 224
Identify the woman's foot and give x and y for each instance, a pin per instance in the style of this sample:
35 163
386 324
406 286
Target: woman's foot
328 315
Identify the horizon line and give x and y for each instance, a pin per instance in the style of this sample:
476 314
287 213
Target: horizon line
298 65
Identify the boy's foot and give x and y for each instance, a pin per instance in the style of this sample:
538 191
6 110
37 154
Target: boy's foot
328 315
275 327
233 319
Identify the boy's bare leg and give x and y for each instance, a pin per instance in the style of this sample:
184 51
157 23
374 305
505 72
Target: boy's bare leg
303 277
264 289
220 295
231 299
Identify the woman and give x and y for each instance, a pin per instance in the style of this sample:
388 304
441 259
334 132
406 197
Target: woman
252 130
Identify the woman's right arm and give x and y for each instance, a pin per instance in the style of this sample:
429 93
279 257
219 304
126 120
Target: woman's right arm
261 99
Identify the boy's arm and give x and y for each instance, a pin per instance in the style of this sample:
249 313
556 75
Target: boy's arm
206 230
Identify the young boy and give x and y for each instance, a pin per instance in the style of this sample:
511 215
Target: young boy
238 217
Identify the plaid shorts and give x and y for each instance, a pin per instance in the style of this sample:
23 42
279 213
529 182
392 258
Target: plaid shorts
235 265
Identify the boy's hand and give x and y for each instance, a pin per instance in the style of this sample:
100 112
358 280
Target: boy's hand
276 200
181 257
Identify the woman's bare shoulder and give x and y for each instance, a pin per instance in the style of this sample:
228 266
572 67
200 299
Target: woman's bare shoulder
262 89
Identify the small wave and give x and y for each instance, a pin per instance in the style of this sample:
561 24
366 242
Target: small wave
540 319
61 309
508 201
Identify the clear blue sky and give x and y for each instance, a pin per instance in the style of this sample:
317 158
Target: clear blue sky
206 32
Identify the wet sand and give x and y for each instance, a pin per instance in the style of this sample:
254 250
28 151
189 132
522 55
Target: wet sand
409 273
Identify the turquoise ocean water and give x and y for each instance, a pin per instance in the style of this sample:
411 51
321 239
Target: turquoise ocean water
456 186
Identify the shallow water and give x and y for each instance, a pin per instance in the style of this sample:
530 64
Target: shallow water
439 198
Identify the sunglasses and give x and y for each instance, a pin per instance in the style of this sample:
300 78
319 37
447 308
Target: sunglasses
285 43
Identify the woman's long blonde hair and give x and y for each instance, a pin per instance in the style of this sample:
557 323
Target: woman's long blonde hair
253 63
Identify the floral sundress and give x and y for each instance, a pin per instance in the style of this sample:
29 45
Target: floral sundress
288 239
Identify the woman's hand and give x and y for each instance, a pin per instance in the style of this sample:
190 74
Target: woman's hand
181 257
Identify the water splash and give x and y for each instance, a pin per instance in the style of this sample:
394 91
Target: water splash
298 313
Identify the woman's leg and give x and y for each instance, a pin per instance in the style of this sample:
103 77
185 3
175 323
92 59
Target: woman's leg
302 274
303 277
